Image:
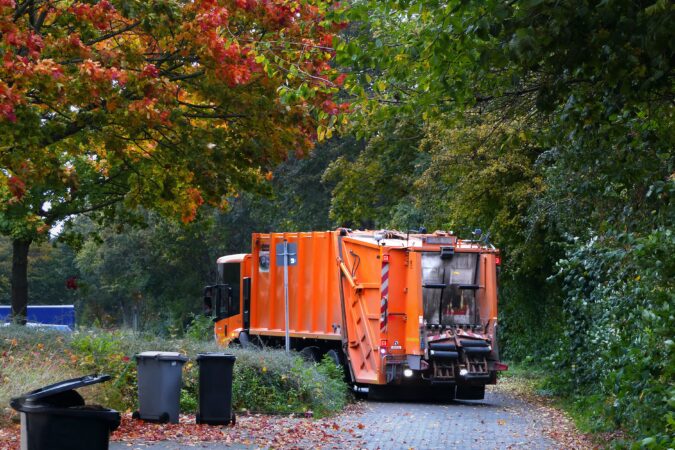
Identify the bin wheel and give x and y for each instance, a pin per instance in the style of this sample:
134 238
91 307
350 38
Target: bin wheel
136 415
233 422
198 418
164 417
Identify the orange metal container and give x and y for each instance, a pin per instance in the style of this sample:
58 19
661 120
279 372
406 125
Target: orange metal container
313 297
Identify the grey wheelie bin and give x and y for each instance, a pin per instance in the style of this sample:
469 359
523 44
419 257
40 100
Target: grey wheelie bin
215 388
56 417
159 381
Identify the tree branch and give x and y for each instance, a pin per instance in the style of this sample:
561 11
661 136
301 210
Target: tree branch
215 116
113 33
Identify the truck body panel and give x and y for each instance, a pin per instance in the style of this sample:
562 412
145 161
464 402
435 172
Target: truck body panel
314 307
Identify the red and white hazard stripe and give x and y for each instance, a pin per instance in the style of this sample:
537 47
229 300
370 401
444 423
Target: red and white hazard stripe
384 296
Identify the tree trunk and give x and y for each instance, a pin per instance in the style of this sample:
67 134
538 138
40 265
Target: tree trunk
20 280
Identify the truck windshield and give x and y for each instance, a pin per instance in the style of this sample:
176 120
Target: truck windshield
448 288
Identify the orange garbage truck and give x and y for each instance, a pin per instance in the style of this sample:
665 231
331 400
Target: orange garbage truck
393 308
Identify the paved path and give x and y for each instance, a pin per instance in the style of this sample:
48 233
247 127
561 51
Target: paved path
498 422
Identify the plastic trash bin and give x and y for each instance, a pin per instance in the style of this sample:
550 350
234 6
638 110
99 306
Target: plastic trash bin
55 417
215 388
159 381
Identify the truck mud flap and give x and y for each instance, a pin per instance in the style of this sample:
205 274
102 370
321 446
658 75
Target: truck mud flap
464 392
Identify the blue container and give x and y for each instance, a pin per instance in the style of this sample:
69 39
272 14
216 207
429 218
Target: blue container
45 314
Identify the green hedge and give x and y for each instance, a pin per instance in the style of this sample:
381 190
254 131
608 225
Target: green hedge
617 355
264 380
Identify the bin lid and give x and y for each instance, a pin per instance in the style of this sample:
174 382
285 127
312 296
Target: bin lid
216 355
51 390
167 356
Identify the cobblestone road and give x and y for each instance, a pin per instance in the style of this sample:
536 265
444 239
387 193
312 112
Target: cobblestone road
498 422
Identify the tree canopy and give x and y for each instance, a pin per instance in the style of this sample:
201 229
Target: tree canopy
550 123
165 105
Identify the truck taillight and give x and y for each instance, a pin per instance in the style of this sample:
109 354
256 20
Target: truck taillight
498 260
383 346
501 366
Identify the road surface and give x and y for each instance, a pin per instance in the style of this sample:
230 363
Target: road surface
498 422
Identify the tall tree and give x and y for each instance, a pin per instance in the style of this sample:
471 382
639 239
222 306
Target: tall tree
167 105
552 120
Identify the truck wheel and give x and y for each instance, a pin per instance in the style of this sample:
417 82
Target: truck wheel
335 357
310 354
243 340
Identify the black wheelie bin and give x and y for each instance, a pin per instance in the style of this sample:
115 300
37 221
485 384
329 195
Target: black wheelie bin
215 388
56 417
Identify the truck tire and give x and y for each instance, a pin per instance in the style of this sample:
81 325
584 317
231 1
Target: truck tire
243 340
310 354
335 357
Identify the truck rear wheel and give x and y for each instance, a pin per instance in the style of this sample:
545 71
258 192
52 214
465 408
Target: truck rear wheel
333 355
310 354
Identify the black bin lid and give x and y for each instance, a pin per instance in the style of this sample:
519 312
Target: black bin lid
216 355
63 391
62 386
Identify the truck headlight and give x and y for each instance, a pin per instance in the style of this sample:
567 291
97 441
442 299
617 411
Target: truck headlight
407 372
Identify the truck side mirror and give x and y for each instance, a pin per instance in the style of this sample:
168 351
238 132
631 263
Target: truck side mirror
207 304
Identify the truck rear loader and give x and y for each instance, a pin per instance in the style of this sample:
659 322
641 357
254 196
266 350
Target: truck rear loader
393 308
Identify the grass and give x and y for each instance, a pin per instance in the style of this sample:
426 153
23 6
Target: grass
266 381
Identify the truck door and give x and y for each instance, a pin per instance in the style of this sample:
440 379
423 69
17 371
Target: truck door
222 300
246 315
230 276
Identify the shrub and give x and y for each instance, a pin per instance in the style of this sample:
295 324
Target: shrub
264 380
270 381
200 328
618 339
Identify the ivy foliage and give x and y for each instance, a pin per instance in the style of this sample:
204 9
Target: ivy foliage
618 333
